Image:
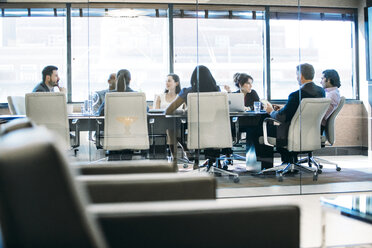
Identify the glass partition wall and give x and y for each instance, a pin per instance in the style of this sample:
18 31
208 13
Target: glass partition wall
90 42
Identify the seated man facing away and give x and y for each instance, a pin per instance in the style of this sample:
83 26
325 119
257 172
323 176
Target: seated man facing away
331 83
305 74
99 96
50 80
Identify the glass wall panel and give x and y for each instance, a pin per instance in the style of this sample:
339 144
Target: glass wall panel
324 44
28 44
119 39
225 46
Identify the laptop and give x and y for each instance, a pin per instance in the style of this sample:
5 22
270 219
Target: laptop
236 102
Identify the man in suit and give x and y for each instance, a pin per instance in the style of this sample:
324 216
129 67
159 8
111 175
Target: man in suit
50 80
308 89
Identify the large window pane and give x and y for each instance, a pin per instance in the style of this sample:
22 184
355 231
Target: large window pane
225 46
324 44
102 45
27 45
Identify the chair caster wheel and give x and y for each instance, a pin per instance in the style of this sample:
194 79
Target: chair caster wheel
319 171
236 179
321 166
185 166
280 178
217 174
338 169
315 177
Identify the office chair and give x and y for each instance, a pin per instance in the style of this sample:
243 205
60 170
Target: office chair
40 203
43 205
16 105
15 125
208 123
126 127
303 135
50 109
328 136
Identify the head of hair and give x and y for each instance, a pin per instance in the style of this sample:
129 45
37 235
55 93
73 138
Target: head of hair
126 74
176 79
235 79
203 78
333 77
306 70
243 79
48 71
121 80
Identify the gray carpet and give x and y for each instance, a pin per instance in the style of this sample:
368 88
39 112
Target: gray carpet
248 179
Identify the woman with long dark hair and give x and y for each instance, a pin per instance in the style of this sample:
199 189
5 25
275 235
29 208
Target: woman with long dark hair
172 88
201 81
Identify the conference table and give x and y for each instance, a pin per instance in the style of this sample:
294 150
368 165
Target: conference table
159 123
249 122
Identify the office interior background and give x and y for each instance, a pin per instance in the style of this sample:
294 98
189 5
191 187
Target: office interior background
88 40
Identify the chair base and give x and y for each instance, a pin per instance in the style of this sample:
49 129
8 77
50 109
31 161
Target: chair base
284 168
311 160
215 170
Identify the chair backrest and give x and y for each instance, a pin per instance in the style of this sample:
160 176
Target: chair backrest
49 109
125 121
17 105
330 127
208 121
304 129
40 203
15 125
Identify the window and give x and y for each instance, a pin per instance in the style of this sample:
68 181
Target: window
28 44
119 39
225 45
326 44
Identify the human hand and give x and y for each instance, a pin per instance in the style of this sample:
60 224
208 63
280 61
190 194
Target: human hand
227 88
269 108
276 107
62 89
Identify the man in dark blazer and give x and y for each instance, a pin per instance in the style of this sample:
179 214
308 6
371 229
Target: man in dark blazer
50 80
308 89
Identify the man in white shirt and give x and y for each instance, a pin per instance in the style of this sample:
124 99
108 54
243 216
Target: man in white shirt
331 83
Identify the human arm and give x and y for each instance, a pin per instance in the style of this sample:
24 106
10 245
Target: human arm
286 113
174 105
157 102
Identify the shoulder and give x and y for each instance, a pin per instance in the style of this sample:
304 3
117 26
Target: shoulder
183 93
40 87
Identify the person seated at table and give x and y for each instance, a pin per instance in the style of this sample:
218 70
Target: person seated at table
172 88
121 76
207 84
331 83
99 96
202 81
235 80
50 80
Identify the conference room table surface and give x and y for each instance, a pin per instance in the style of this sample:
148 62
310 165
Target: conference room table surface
159 122
249 122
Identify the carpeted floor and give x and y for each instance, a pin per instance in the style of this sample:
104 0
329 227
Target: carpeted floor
248 179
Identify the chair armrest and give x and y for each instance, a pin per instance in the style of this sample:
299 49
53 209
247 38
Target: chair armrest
123 167
148 187
167 224
264 127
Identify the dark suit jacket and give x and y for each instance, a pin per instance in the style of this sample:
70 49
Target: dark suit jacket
285 115
41 87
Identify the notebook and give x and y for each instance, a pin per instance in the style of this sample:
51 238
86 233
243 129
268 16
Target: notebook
236 102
